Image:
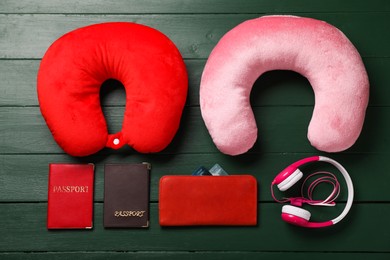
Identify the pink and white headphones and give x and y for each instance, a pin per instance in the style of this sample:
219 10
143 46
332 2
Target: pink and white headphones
296 215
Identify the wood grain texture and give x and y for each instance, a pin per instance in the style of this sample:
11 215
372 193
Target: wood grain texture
189 6
271 234
194 35
282 103
198 255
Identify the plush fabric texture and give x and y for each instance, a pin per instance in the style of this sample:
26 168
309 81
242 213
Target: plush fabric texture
144 60
313 48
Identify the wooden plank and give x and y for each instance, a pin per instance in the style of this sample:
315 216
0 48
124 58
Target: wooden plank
188 6
25 177
199 255
354 234
195 35
23 130
18 82
277 88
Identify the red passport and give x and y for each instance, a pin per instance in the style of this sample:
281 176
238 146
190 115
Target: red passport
70 196
208 200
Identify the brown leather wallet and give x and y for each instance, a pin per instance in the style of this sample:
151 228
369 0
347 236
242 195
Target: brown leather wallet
208 200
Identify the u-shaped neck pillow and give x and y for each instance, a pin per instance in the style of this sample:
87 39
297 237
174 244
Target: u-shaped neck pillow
313 48
144 60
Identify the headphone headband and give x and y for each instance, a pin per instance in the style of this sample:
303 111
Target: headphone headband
290 175
292 168
349 183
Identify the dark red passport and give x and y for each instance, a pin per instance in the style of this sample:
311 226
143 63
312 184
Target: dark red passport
126 195
70 196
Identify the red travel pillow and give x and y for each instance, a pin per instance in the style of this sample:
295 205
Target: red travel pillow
144 60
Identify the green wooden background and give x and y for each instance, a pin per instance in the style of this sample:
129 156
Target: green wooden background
282 101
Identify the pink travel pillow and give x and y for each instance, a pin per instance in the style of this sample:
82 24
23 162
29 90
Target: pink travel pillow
143 59
313 48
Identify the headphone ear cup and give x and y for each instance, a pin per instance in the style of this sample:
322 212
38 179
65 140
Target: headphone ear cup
295 215
290 180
